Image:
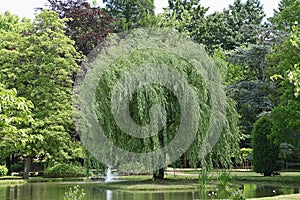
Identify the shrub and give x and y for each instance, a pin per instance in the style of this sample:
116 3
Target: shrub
265 151
63 170
3 171
74 194
17 168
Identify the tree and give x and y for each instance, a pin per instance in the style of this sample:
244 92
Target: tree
185 16
265 151
88 26
142 101
253 99
243 20
39 60
251 87
287 14
131 13
252 58
229 29
15 120
286 117
284 62
214 32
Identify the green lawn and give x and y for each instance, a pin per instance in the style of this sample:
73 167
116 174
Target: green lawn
241 175
280 197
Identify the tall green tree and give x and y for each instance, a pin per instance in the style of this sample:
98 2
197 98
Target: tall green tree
252 58
265 151
243 20
284 66
287 14
39 60
146 96
238 25
214 32
131 13
285 61
254 98
185 16
15 120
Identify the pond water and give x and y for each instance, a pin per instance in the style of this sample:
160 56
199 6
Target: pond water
55 191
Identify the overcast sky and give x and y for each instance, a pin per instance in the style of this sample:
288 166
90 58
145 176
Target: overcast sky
25 8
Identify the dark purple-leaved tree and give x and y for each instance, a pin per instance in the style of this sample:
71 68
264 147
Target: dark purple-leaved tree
88 25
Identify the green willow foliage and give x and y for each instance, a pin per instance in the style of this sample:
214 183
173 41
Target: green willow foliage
140 48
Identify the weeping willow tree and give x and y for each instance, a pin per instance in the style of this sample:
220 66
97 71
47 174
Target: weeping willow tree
152 95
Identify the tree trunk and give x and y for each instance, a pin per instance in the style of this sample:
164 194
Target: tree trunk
267 173
28 161
160 174
185 160
8 164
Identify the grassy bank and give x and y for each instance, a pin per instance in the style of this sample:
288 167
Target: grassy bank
286 177
280 197
145 183
12 180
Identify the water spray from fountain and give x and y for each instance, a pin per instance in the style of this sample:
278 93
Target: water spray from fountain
109 176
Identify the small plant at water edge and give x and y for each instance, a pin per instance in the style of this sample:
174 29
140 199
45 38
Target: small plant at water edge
74 194
237 195
3 171
203 178
224 178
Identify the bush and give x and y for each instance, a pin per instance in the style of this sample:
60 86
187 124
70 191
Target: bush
265 151
63 170
17 168
3 171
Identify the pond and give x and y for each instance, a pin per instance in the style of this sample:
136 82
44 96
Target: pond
55 191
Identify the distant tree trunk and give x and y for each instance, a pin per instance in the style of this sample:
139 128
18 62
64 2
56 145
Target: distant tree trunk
267 173
185 160
28 161
160 174
8 163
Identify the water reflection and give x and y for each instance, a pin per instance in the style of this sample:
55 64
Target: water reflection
109 195
55 191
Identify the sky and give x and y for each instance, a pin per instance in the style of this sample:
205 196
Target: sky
25 8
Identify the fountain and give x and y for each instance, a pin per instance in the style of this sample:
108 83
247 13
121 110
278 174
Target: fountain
109 176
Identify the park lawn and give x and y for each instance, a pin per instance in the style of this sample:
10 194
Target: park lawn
287 177
280 197
284 177
11 180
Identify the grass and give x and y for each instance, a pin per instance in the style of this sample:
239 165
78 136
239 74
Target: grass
146 183
11 180
41 179
280 197
284 177
287 177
